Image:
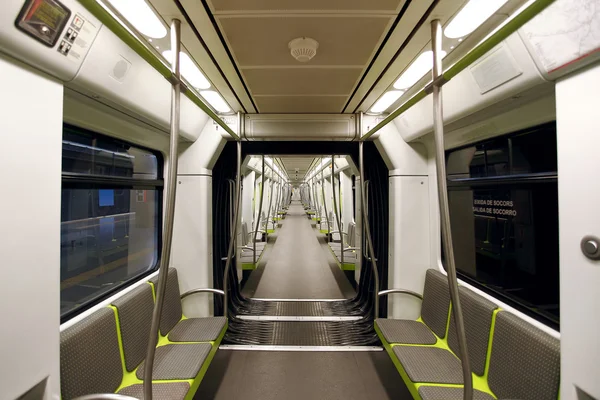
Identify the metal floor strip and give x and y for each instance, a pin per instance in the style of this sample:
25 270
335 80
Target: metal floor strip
296 318
299 348
307 300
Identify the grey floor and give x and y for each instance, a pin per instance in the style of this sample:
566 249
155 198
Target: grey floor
297 264
254 375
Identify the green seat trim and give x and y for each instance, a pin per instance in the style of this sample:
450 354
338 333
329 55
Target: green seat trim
348 267
345 266
130 378
479 382
251 266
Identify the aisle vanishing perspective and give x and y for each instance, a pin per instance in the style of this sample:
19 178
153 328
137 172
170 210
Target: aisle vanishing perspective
297 266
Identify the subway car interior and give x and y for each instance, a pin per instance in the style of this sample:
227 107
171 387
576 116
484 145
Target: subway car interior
318 199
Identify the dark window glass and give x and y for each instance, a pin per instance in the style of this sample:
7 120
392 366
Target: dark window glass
109 230
503 198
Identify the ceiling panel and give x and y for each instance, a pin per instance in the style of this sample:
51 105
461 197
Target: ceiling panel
301 164
263 40
301 81
301 104
288 5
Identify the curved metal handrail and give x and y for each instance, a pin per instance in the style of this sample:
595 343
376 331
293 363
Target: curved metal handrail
202 290
400 291
104 396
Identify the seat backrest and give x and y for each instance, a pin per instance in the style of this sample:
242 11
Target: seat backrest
172 312
477 314
134 311
351 234
436 302
90 360
244 233
524 362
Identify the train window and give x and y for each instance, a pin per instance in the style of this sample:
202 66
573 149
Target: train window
110 217
503 197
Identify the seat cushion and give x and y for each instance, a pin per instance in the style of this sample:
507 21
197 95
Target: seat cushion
160 391
177 361
247 258
405 331
259 246
436 302
197 329
449 393
429 364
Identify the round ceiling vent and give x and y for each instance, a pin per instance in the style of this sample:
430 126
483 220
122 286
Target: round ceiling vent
303 49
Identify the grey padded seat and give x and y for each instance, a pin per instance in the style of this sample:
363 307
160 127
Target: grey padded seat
349 238
160 391
405 331
246 239
350 257
196 331
449 393
434 313
86 369
429 364
246 258
172 361
89 369
524 362
177 361
434 365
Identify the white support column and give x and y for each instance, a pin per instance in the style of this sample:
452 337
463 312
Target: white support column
577 105
31 143
192 249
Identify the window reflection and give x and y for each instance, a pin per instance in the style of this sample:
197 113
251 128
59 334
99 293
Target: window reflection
505 225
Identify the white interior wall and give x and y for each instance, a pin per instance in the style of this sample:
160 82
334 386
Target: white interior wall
509 64
578 199
31 140
409 229
347 199
115 74
248 199
192 249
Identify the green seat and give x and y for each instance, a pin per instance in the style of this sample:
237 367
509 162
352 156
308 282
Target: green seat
523 362
104 352
449 393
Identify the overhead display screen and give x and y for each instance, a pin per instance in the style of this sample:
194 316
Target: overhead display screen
44 20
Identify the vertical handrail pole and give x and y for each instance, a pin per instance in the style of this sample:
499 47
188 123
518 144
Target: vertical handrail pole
260 204
365 218
238 195
336 209
324 199
440 164
270 203
169 208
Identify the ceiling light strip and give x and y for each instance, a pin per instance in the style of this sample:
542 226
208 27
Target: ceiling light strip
136 45
478 51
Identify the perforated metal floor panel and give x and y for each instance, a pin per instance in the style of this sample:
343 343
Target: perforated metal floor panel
297 308
305 333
